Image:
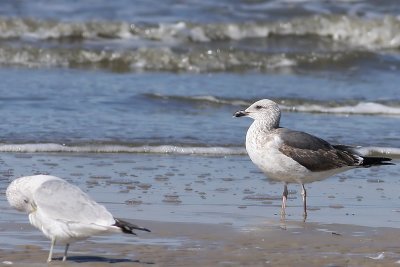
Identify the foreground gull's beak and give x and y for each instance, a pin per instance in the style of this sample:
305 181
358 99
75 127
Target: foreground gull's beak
240 113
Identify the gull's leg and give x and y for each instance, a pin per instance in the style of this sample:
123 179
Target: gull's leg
65 252
53 242
304 195
284 199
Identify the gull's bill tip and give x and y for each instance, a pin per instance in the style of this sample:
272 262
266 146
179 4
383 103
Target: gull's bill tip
240 113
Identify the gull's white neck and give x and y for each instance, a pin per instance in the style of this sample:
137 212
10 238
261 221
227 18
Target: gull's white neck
258 133
265 125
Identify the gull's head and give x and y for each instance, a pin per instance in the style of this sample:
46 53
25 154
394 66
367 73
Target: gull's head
19 198
264 110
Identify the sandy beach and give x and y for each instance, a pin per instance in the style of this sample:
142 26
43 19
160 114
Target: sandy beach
209 211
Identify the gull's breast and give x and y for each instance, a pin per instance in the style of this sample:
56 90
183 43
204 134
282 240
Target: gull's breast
263 150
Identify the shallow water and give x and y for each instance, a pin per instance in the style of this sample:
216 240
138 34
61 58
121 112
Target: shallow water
94 108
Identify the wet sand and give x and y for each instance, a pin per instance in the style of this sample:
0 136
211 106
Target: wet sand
210 211
300 244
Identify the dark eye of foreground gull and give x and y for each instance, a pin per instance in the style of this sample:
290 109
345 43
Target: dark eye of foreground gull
297 157
79 218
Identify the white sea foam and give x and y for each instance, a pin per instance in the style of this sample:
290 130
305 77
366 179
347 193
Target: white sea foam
213 99
368 108
161 149
382 151
197 34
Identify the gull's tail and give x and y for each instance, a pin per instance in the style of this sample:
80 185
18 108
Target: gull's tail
127 227
361 160
374 161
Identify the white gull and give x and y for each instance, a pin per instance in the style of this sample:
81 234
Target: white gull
295 157
62 211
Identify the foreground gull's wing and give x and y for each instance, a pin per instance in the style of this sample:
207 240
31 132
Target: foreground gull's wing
60 200
312 152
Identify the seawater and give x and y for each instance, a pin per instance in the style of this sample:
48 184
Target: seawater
94 109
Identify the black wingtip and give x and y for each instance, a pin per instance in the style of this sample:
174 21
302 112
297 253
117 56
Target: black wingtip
127 227
376 161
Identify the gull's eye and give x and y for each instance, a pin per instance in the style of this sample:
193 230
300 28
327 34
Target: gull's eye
25 200
258 107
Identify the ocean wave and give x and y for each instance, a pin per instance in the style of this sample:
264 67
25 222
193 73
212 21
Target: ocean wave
190 47
296 105
200 98
167 59
161 149
377 33
11 28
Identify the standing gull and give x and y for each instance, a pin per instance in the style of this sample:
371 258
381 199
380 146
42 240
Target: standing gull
62 211
295 157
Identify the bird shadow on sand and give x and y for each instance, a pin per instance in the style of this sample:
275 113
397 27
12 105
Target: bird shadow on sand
85 259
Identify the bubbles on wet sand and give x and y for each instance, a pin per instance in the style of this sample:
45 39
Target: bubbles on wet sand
262 197
144 186
172 199
133 202
100 177
161 178
222 189
375 180
336 206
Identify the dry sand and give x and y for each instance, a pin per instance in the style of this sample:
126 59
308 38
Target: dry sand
270 244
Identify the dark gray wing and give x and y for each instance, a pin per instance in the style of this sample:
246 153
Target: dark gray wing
314 153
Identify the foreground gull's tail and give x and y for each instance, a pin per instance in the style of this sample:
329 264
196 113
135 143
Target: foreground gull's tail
376 161
127 227
366 161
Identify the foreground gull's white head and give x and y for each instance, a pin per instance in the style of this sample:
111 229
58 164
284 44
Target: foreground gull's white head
19 192
18 199
62 211
293 156
264 110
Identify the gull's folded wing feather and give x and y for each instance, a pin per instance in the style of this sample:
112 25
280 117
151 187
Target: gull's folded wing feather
314 153
62 201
